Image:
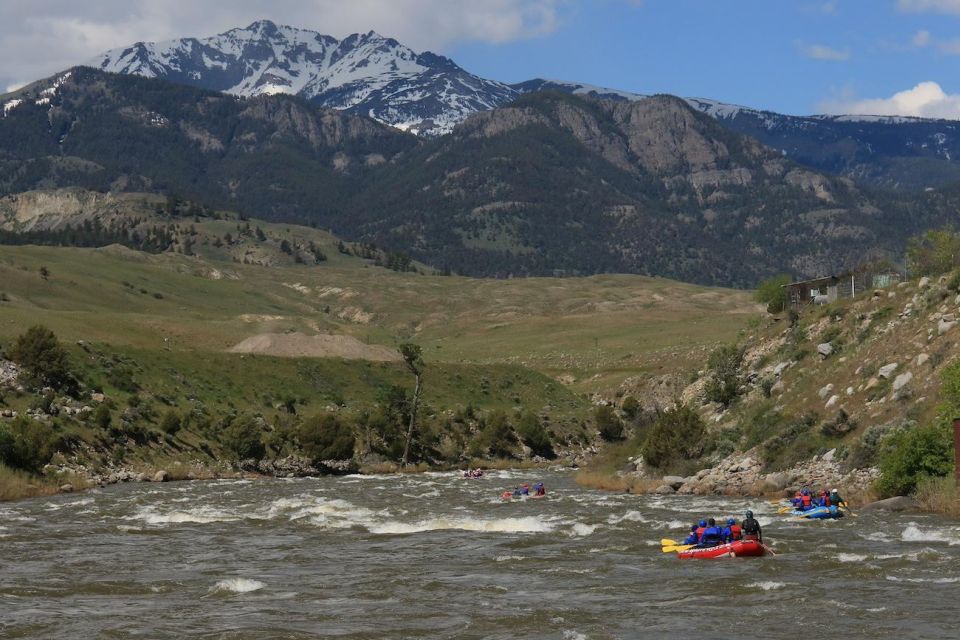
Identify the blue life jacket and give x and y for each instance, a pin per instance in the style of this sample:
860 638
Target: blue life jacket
691 539
712 536
727 534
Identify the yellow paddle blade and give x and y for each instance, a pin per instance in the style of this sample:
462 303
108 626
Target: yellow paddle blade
676 547
667 542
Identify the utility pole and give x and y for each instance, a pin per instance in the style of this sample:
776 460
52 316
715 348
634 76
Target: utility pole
956 450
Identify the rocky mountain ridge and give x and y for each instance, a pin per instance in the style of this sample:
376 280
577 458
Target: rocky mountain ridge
551 184
429 94
363 73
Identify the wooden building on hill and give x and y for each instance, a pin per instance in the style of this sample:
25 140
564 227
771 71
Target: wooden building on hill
832 288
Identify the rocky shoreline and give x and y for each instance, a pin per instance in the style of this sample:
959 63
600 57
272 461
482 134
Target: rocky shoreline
741 474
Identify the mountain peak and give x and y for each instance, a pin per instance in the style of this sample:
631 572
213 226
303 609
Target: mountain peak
365 73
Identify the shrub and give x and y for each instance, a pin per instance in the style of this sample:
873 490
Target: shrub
908 457
43 359
608 424
102 417
724 383
630 407
241 438
327 437
26 444
497 436
533 435
773 294
677 434
170 423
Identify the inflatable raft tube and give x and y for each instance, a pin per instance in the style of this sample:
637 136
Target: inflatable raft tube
735 549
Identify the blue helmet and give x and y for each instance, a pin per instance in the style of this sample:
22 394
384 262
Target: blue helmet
703 523
693 527
731 521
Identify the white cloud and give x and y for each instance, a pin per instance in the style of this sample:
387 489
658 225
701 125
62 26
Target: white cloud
929 6
42 37
926 100
921 38
823 52
951 47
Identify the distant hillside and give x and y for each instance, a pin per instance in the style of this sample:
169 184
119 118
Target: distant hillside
908 154
553 184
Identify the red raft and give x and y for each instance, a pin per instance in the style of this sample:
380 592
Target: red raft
735 549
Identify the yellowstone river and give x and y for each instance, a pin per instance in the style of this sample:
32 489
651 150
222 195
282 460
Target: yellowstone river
436 556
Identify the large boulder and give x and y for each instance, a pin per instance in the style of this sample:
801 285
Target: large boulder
674 481
945 325
902 380
665 489
825 349
898 503
887 370
775 482
161 476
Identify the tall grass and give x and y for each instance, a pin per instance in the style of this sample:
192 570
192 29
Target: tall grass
939 495
15 484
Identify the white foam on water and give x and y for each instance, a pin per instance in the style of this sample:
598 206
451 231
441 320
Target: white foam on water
572 634
239 585
767 585
913 533
851 557
508 558
580 530
199 515
331 514
878 536
499 525
927 580
627 516
876 609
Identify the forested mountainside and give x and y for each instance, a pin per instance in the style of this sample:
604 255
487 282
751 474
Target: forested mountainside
551 184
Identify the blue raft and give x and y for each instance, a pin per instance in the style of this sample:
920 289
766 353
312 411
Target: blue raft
818 513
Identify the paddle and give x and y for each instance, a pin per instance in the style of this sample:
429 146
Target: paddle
772 552
677 547
667 542
784 509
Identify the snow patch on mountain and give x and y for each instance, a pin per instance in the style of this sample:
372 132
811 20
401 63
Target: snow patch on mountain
366 73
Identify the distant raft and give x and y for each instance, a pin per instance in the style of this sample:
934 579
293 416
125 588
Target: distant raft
735 549
818 513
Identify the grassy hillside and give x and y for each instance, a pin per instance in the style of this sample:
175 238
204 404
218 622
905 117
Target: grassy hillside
153 330
595 330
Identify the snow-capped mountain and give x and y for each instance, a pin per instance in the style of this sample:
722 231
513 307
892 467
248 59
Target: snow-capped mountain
364 73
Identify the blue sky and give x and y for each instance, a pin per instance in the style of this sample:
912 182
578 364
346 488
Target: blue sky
792 56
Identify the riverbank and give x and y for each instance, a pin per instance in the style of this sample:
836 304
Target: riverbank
19 485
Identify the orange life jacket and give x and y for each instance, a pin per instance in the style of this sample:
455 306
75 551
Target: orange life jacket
700 531
736 532
806 501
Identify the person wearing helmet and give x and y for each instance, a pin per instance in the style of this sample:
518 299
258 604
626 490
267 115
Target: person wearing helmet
712 535
692 538
824 500
539 489
797 501
732 531
836 499
751 528
807 500
525 490
700 529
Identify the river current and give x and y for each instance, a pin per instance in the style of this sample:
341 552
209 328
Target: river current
437 556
